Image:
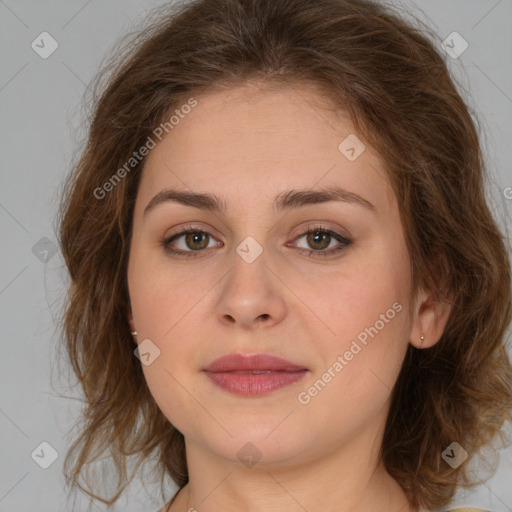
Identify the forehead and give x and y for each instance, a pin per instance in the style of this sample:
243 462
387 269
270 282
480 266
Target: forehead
257 141
252 112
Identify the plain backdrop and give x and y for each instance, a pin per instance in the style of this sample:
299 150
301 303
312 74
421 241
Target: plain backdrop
41 126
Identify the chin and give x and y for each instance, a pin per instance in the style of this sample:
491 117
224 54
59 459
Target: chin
258 448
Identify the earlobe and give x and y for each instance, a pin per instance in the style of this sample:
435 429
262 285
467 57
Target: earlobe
130 322
429 321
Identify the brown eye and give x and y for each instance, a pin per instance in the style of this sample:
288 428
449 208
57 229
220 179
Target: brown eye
318 239
189 242
192 242
197 240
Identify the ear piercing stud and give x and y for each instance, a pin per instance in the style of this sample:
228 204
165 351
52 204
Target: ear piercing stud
134 333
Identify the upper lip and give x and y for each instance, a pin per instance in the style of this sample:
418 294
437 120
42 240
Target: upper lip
239 362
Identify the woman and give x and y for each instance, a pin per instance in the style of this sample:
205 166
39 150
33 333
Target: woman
287 287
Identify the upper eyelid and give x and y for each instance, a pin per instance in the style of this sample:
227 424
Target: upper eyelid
304 229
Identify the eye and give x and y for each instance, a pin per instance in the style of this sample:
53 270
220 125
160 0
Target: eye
194 240
319 239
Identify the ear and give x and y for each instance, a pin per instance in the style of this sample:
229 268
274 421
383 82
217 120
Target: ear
129 316
429 319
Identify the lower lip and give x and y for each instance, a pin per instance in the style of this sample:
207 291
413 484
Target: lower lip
254 384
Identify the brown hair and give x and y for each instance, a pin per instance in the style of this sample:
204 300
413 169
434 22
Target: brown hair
396 86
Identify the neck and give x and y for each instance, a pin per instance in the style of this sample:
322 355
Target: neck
348 479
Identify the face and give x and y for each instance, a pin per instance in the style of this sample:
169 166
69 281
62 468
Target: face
321 282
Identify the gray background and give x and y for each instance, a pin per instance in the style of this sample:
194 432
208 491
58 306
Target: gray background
41 127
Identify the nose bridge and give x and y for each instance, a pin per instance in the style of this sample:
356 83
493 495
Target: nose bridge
249 277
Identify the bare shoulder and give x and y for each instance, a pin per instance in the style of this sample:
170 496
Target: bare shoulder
465 509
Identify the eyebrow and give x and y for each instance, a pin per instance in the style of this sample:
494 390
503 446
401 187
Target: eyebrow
283 201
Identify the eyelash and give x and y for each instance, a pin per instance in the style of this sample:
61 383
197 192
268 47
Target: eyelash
345 242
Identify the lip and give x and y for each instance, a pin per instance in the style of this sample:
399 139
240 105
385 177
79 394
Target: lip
239 362
253 375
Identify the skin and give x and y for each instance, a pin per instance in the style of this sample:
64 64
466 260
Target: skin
247 145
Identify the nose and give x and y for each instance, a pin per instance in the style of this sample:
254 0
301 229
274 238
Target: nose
252 295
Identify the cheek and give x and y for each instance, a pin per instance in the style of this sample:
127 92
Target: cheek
173 393
166 307
357 299
366 310
162 309
162 295
360 364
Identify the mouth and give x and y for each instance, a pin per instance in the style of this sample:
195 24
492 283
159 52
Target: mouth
253 375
